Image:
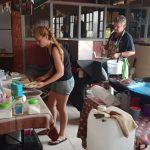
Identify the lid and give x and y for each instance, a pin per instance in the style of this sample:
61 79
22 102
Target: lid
5 105
33 101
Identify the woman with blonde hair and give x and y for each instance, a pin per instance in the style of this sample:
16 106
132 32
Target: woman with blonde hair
59 78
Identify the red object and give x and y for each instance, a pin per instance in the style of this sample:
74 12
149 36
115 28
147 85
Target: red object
135 101
27 132
135 108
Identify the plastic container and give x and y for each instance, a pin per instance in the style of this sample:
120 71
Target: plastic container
105 134
5 105
18 106
114 67
5 110
17 89
142 88
5 113
33 106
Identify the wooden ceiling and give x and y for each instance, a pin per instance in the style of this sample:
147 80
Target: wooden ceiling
4 1
144 2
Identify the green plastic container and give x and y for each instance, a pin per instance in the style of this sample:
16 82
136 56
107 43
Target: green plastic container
33 101
5 105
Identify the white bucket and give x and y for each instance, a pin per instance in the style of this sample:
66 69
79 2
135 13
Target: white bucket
114 67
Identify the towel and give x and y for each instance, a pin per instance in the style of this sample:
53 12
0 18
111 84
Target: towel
124 119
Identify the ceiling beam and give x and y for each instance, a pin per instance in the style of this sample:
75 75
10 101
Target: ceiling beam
4 1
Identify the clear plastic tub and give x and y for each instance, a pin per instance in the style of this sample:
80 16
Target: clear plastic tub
5 113
33 106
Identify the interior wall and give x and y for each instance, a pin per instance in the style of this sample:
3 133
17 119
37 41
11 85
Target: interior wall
142 60
5 31
35 55
17 41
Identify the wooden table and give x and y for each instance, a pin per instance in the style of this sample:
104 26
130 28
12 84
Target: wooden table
42 120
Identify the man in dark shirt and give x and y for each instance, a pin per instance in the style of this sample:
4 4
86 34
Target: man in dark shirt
120 42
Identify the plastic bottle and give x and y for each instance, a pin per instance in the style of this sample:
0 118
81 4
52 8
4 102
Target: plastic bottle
125 69
18 106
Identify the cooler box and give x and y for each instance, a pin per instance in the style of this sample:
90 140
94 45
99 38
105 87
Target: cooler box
107 135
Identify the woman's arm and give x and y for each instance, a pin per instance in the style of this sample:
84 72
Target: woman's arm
123 54
45 76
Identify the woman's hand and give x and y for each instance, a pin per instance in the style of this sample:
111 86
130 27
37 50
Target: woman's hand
116 55
40 84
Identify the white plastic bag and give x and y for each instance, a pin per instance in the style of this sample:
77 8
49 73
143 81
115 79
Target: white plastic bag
104 95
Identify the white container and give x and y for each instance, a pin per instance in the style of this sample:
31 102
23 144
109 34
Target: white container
33 108
6 113
107 135
18 106
114 67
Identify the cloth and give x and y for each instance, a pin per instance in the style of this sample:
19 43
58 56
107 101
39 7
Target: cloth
124 119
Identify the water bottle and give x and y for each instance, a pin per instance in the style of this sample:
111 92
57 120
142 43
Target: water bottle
125 69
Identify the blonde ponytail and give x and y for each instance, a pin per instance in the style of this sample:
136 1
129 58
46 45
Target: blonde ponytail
61 52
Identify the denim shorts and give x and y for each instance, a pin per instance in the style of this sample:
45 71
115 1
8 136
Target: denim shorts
62 87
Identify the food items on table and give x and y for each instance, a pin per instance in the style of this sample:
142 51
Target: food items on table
31 84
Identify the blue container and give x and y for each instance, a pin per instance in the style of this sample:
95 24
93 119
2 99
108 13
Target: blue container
142 88
17 89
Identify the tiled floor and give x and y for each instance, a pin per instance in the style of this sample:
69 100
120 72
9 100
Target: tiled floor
73 143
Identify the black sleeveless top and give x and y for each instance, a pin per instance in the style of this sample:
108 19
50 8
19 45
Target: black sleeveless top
67 65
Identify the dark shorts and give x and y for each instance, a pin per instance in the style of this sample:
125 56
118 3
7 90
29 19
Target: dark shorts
62 87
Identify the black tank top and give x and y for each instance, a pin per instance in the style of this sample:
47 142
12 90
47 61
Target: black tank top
67 65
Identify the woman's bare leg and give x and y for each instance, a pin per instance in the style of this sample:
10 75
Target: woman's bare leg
52 104
61 107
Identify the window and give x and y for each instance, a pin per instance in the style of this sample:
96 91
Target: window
101 23
64 21
71 25
94 22
57 24
89 24
137 22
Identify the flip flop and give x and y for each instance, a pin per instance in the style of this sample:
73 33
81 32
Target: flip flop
43 132
58 141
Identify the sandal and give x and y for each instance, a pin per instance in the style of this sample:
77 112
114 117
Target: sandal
58 141
43 132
